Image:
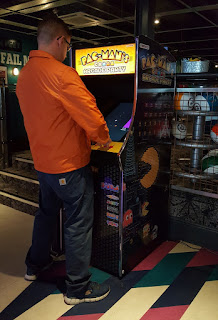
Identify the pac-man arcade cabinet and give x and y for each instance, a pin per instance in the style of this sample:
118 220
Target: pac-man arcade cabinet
132 177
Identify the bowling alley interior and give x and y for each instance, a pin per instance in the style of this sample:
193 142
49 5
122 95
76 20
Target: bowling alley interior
152 66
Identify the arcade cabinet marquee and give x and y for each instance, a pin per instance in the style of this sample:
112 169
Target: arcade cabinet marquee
109 60
133 85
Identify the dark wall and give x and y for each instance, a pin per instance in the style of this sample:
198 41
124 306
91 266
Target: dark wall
10 58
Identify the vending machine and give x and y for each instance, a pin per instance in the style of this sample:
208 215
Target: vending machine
134 90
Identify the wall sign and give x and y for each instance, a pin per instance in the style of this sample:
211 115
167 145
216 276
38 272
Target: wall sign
15 59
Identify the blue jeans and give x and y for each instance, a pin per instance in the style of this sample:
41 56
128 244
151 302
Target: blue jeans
73 190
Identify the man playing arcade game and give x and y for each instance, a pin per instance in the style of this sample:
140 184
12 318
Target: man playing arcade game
61 118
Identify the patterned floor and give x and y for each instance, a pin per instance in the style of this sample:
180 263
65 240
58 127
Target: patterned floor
176 281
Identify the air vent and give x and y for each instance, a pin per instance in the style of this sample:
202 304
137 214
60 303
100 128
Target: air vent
80 19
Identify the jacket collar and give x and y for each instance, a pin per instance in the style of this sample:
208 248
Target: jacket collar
40 54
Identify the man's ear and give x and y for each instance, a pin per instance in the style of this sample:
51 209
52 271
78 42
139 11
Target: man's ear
59 40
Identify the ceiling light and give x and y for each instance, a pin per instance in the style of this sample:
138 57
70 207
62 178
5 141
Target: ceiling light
216 65
156 21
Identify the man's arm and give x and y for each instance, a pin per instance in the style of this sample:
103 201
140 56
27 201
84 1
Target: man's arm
81 105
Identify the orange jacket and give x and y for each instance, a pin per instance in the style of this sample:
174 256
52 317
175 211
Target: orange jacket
60 114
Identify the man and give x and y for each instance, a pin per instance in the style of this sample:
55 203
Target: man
61 118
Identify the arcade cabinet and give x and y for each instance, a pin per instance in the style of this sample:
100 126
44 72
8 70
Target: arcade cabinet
133 85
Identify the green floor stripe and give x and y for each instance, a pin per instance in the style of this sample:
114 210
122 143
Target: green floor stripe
57 292
166 270
214 274
98 275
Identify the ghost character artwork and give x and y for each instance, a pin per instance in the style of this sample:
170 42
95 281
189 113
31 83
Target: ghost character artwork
127 218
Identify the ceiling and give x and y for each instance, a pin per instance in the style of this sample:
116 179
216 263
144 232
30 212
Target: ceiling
187 27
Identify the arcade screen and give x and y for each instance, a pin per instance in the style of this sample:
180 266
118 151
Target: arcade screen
114 97
118 121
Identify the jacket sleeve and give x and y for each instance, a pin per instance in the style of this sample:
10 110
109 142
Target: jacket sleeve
81 105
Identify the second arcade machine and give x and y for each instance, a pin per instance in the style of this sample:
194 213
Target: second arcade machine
133 85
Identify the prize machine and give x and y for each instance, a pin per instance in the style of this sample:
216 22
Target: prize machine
133 86
194 174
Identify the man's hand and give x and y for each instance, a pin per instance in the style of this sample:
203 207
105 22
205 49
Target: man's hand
106 145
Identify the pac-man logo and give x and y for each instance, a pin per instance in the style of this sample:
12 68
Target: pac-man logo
151 157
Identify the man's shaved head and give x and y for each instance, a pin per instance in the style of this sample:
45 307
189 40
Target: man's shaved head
51 28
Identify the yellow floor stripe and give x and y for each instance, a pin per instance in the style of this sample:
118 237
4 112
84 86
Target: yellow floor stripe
205 304
185 247
134 304
10 288
50 308
15 240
